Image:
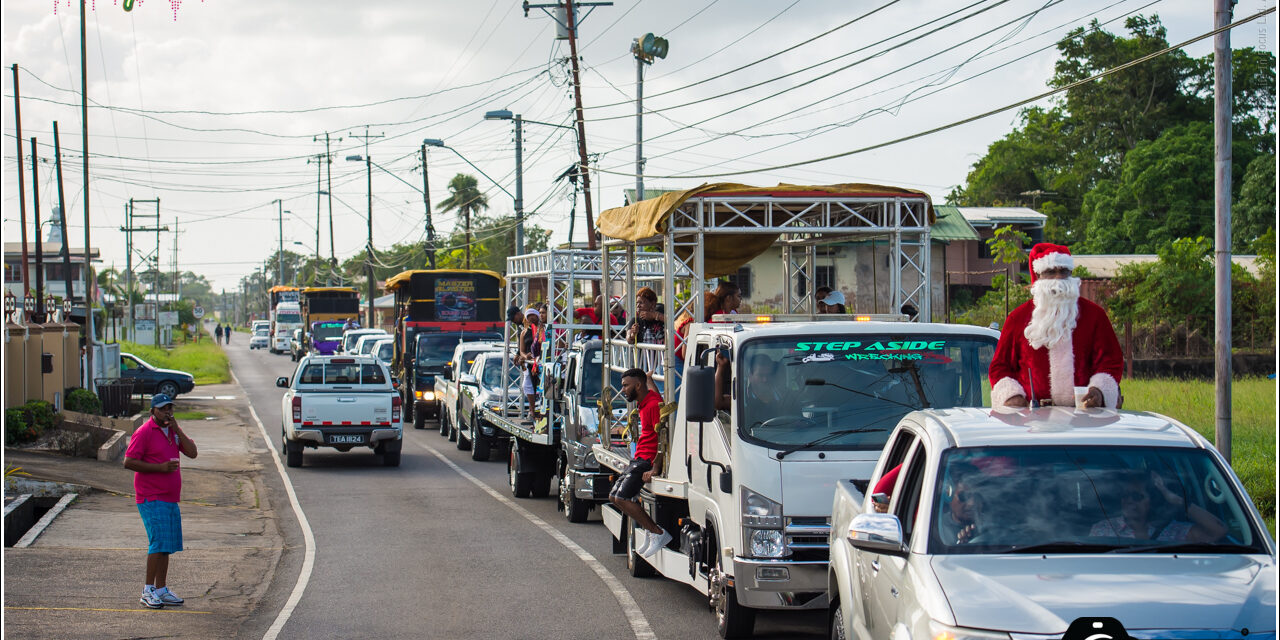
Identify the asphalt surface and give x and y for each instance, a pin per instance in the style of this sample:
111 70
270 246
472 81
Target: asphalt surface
420 551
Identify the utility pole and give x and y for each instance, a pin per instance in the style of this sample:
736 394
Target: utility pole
571 28
84 143
645 49
35 203
368 260
319 168
1222 226
22 189
62 220
328 161
426 201
177 275
520 186
129 229
280 250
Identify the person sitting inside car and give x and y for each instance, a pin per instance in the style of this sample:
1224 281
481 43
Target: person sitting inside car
961 520
1145 504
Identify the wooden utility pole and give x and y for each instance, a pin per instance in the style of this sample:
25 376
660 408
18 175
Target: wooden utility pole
84 143
426 201
583 171
62 220
1222 226
22 190
39 318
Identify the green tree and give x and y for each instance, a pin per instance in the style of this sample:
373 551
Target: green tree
1007 247
465 197
1255 211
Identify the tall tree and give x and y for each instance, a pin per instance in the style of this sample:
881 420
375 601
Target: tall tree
465 197
1255 212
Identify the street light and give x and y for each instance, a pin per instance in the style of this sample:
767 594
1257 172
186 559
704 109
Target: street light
368 258
436 142
645 48
505 114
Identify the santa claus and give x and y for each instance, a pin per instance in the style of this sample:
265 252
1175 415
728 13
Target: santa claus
1056 342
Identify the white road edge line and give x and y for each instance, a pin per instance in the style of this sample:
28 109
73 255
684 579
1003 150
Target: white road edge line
639 624
308 538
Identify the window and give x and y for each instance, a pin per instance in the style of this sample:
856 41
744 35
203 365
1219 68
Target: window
12 272
743 280
825 275
372 374
984 250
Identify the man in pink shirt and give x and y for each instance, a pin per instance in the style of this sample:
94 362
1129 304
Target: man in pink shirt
153 457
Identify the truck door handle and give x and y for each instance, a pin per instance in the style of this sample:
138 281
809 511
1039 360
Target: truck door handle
875 566
346 399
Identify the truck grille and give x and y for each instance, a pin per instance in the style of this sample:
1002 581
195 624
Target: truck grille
807 538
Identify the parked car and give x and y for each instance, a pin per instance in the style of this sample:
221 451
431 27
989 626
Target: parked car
364 344
1014 523
153 380
261 338
340 402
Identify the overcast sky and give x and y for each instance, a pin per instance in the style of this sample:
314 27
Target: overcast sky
215 111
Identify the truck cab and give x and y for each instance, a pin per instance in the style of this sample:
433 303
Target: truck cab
584 484
450 379
431 353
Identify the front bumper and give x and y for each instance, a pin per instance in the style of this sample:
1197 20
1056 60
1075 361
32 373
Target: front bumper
590 485
780 584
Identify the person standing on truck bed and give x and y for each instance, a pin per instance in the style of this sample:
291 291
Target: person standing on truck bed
725 299
627 487
530 350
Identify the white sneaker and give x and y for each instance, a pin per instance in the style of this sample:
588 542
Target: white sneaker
168 597
657 543
150 600
643 542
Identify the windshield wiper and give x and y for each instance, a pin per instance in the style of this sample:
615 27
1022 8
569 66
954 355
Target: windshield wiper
830 436
1059 546
1189 547
818 382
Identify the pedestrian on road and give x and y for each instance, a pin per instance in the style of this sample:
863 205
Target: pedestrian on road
226 335
217 332
1055 342
623 495
157 481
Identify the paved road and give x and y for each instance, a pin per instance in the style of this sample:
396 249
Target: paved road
422 551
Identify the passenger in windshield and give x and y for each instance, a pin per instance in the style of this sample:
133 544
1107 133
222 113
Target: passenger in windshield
1149 510
961 520
763 397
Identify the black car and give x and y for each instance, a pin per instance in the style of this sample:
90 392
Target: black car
152 380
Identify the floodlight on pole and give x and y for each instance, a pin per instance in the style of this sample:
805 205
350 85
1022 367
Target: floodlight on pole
645 48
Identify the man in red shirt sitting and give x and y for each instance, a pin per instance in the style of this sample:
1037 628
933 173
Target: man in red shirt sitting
627 488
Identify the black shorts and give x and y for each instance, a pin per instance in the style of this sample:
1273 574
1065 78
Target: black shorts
627 486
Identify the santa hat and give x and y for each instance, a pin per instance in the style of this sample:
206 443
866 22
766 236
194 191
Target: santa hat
1049 256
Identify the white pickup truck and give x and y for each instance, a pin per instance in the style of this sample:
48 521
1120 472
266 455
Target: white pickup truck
340 402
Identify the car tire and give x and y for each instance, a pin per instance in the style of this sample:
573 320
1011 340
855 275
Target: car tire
542 484
293 454
419 422
837 622
168 387
521 483
463 443
637 566
480 448
575 509
732 619
443 417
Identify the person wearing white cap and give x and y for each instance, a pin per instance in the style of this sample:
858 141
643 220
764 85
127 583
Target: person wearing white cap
1056 342
834 302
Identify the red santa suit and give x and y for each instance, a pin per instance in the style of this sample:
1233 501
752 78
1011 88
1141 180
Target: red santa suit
1089 357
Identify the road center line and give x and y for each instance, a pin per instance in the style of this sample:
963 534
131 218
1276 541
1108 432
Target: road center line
639 624
308 538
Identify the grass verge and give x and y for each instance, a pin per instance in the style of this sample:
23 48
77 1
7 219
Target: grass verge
1253 422
190 415
204 360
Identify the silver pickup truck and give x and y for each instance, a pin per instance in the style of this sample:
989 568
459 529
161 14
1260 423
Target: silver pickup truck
1005 524
341 402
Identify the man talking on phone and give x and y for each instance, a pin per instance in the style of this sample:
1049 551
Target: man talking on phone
157 481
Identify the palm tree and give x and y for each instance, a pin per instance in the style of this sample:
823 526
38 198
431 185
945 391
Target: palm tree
465 196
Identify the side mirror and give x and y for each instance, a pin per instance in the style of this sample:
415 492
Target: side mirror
282 382
726 481
700 394
395 382
877 533
448 372
467 378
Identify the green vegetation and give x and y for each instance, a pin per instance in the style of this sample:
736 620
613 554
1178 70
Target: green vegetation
204 360
1253 422
190 415
26 423
83 401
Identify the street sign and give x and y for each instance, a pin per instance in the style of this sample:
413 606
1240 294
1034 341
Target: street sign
198 312
168 318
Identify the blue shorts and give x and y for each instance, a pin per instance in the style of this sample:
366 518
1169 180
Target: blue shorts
163 521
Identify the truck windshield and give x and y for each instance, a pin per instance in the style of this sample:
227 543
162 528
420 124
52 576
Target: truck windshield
792 391
1079 499
591 378
326 332
435 349
493 373
288 317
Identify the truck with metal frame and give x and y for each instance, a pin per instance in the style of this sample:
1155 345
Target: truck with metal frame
805 400
560 446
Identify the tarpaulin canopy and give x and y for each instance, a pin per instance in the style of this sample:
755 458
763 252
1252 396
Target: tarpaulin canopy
725 251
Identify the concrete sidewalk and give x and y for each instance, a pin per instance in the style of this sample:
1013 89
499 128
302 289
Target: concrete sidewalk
83 575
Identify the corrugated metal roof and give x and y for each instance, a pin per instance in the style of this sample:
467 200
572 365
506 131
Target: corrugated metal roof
951 225
987 216
1108 265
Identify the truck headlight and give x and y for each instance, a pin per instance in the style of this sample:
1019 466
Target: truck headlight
426 395
766 543
759 511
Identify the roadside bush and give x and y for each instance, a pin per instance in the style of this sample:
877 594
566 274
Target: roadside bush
83 401
26 423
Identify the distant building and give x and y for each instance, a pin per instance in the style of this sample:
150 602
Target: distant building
54 271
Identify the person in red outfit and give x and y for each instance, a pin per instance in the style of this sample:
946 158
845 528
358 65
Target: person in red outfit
1055 342
626 488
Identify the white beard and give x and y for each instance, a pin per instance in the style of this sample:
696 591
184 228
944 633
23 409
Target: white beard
1055 313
